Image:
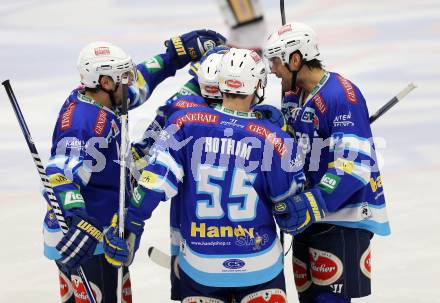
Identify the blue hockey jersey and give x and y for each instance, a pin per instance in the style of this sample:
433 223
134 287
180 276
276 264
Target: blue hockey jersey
142 147
224 168
334 136
83 168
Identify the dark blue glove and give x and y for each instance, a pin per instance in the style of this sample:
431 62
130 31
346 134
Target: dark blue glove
298 212
191 46
119 251
271 113
80 241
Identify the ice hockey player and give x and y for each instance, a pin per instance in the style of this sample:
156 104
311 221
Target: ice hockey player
331 259
204 92
83 168
204 83
225 167
245 19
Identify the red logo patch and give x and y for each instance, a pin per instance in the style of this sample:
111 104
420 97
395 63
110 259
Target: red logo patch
101 121
66 117
126 289
320 104
255 56
348 89
302 282
234 83
365 263
277 142
187 104
103 50
199 117
80 291
211 89
326 268
66 290
286 28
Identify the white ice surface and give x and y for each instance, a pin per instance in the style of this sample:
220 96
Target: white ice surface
380 45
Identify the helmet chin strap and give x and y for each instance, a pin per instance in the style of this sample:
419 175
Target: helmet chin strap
294 74
258 99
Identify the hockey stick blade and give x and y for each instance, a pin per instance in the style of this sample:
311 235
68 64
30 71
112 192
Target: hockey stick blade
159 257
392 102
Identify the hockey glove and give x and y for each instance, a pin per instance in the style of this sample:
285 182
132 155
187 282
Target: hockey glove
191 46
119 251
271 113
298 212
80 241
115 247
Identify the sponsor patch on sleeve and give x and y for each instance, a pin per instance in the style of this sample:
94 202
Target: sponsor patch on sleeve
138 195
348 89
72 199
329 182
100 123
66 117
58 179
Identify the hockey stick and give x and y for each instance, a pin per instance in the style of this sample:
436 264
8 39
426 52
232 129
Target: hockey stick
283 13
122 179
283 22
392 102
159 257
43 177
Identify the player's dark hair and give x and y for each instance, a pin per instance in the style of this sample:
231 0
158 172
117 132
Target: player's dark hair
233 96
314 63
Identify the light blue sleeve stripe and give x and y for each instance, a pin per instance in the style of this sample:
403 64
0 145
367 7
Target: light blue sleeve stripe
52 253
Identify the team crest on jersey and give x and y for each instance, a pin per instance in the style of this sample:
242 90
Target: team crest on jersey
365 262
326 268
302 281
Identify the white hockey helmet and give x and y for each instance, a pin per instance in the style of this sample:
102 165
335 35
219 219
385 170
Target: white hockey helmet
240 72
208 76
290 38
103 59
